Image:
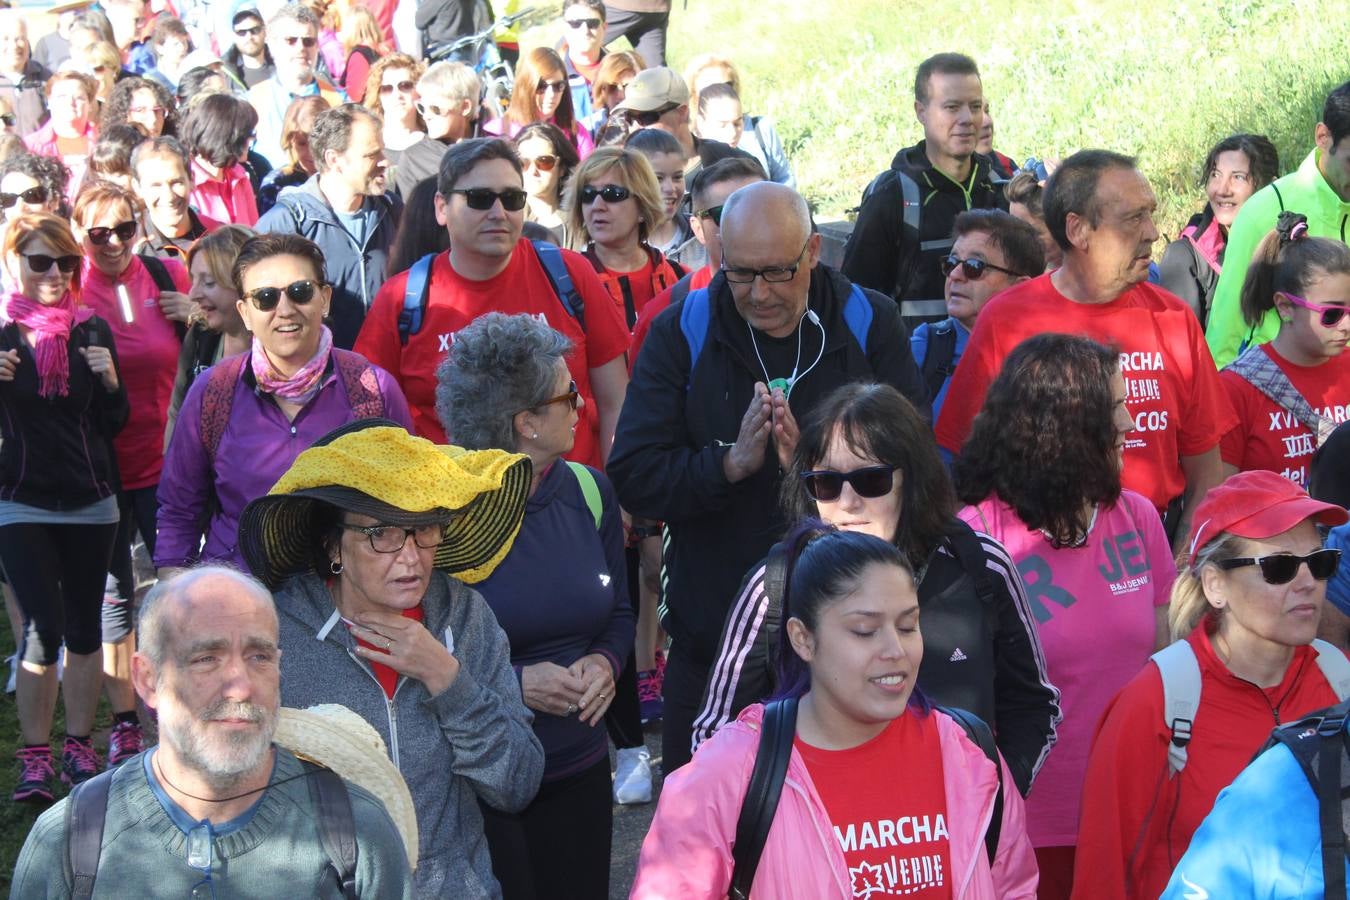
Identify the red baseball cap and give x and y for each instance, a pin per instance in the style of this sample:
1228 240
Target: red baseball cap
1257 505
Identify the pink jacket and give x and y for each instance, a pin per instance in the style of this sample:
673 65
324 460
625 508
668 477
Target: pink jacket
687 853
43 143
230 199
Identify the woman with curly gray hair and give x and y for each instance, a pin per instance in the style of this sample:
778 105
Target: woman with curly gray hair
561 594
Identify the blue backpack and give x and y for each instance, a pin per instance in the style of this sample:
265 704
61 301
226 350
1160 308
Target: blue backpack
696 314
419 278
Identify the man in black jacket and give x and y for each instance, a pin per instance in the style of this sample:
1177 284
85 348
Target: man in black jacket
710 420
904 226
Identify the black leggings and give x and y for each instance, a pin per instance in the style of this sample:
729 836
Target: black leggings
57 573
138 508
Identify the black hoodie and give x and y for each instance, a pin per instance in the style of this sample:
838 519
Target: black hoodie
886 255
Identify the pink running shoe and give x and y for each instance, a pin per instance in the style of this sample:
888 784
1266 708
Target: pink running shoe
125 742
649 696
36 775
79 761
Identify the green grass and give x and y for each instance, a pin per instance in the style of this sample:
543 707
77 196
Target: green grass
1158 79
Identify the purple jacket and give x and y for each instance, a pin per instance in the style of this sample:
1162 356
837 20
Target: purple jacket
256 448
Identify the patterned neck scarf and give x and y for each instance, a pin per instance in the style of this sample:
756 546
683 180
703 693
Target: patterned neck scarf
304 384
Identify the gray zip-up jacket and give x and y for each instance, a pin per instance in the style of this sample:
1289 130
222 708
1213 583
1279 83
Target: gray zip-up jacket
355 271
474 740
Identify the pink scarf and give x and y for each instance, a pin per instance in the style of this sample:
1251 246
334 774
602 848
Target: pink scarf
50 327
301 386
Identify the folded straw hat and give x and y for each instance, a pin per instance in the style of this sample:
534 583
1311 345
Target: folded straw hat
337 738
376 468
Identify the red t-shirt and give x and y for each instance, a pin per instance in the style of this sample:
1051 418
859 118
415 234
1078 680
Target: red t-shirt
454 301
388 677
147 362
893 830
1171 386
1270 437
654 307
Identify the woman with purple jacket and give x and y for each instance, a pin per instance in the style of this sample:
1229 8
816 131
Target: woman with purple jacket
561 595
246 419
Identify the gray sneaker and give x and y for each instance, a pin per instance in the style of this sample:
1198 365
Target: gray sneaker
633 776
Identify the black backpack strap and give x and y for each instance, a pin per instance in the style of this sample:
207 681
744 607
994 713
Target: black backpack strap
965 544
158 271
983 737
761 796
775 581
85 812
937 360
337 825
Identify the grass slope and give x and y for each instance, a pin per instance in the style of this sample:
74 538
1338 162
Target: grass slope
1158 79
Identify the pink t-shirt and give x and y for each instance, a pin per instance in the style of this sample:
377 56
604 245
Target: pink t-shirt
1095 609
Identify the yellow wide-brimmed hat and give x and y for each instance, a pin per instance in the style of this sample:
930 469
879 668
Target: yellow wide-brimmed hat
376 468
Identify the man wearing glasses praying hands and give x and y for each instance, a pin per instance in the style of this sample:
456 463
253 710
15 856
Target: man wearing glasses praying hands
490 268
710 421
216 809
293 40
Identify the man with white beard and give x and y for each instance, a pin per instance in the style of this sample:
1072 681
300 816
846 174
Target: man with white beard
216 809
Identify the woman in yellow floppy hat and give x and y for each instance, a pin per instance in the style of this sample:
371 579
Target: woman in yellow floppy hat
561 595
368 542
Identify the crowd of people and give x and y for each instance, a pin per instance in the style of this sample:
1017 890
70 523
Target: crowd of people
463 441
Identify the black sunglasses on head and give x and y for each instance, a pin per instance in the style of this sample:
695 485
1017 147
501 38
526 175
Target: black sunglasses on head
1281 568
869 481
972 268
36 194
100 235
513 199
610 193
299 292
41 262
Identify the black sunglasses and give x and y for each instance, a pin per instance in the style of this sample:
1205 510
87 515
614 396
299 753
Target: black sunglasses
100 235
403 87
249 32
41 262
610 193
1280 568
869 481
712 212
36 194
513 199
308 42
591 24
300 292
972 268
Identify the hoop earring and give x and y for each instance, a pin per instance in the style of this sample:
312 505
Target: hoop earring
335 567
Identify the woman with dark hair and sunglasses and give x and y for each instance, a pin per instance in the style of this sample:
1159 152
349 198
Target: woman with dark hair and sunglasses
547 160
866 461
1291 393
246 419
62 401
30 183
146 319
1244 611
613 202
561 595
1041 472
541 94
882 791
218 131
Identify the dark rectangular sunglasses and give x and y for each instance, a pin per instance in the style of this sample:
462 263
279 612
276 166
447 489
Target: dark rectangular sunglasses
870 481
610 193
513 199
41 262
100 235
1281 568
35 194
300 292
972 268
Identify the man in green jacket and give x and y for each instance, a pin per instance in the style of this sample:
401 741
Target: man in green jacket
1320 190
216 809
